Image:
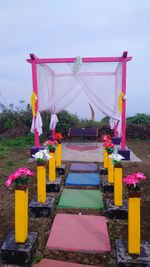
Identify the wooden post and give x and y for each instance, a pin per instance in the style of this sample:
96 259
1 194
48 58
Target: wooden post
134 234
110 171
118 185
58 155
21 215
41 183
52 167
105 159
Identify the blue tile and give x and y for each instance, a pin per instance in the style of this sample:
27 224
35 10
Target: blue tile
83 179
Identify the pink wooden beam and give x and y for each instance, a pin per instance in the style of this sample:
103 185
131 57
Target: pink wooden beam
123 126
35 90
34 57
71 60
86 74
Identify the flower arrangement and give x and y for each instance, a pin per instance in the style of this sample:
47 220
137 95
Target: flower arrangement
42 156
108 146
105 137
116 158
20 177
134 180
58 137
50 145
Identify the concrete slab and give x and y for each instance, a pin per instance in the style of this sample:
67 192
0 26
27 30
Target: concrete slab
82 199
95 155
53 263
83 179
83 167
82 233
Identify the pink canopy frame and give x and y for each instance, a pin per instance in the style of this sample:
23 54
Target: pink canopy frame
34 60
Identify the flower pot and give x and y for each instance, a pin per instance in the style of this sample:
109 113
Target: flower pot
110 171
134 227
21 213
58 155
41 183
118 185
52 150
105 159
52 167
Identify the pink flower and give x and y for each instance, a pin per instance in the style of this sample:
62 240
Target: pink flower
140 176
21 172
8 182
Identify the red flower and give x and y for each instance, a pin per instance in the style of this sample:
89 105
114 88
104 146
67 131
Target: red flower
58 136
105 137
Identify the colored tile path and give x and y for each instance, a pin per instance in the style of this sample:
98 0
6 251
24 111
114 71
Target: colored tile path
83 179
75 198
83 167
83 233
53 263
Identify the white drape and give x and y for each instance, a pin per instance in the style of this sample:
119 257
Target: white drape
60 83
37 124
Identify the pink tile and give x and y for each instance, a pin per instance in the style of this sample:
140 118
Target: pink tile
52 263
85 233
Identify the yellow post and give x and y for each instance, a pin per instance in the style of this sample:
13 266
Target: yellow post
118 185
110 171
58 155
21 215
105 159
134 235
52 167
41 183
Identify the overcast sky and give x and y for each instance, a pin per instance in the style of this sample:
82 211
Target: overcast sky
70 28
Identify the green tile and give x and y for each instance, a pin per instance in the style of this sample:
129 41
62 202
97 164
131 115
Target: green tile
82 199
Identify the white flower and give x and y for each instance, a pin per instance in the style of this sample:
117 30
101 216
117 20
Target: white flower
42 154
116 157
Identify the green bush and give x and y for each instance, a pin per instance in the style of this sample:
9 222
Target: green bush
139 118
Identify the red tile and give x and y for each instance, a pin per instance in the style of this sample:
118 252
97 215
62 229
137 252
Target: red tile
84 233
52 263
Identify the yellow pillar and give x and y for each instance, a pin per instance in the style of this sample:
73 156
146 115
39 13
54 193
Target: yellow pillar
134 234
105 159
110 171
21 215
58 155
52 167
118 185
41 183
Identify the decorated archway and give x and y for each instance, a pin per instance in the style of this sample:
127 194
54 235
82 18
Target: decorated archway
58 81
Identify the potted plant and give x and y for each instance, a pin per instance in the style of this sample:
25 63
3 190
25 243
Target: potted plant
50 145
133 182
41 157
58 137
21 178
109 146
116 161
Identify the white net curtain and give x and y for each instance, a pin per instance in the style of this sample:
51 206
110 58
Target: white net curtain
60 83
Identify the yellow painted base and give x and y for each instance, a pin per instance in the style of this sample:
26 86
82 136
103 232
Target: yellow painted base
58 155
110 171
21 215
118 186
134 234
105 159
52 168
41 184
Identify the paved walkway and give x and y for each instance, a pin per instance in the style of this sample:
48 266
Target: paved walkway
94 155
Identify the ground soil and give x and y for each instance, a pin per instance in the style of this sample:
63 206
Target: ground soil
117 228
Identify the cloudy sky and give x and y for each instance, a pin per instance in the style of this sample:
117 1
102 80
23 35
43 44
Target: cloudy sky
70 28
